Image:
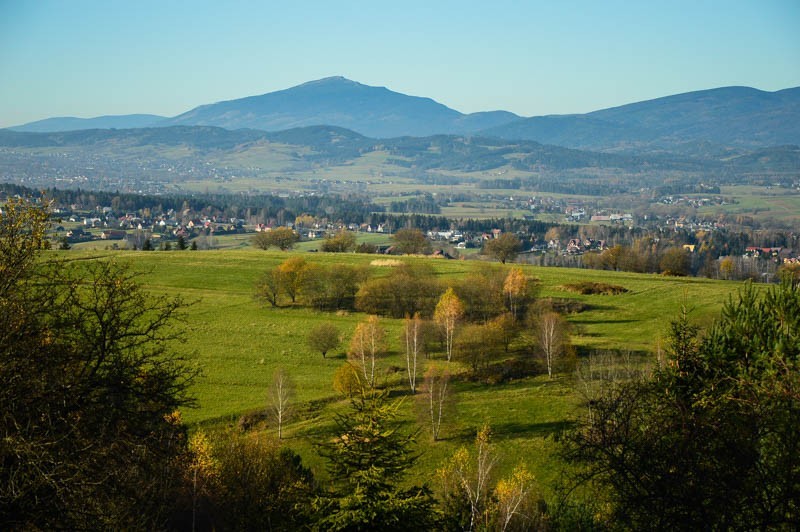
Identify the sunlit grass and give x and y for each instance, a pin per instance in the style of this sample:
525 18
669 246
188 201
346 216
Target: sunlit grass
238 344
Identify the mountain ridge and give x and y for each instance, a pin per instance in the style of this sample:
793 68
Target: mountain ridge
72 123
734 117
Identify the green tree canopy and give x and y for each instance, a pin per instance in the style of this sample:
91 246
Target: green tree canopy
323 338
88 389
503 248
411 241
407 290
676 261
342 242
282 238
709 441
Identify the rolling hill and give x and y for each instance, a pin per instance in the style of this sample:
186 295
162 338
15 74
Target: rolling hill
122 158
334 144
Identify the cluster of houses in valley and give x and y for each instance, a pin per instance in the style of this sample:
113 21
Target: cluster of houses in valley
613 218
317 230
694 201
579 214
682 222
575 213
775 254
131 228
577 246
106 225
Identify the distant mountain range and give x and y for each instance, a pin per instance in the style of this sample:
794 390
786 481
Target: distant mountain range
728 116
731 116
70 123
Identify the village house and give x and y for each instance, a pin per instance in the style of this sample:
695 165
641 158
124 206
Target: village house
752 251
113 234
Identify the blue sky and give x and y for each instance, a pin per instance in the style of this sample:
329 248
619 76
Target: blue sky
88 58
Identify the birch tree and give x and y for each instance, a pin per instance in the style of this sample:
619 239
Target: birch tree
438 398
552 338
514 288
366 346
204 470
412 334
513 499
510 504
281 393
448 313
471 476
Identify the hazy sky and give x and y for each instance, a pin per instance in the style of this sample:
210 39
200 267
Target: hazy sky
90 58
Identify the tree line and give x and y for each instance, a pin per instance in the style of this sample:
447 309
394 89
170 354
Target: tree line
261 208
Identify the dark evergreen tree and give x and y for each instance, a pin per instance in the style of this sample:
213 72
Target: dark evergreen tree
367 460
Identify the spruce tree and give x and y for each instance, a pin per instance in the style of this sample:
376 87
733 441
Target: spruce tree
368 458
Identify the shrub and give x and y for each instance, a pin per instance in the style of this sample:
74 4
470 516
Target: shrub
589 288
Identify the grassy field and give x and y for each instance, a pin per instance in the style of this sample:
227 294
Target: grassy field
761 203
238 344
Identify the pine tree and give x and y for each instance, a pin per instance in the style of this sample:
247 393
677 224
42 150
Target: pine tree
367 461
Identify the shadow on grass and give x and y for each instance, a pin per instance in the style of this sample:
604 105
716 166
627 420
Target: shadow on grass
600 322
509 431
395 393
503 431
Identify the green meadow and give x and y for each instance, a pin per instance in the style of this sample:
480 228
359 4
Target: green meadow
237 344
765 204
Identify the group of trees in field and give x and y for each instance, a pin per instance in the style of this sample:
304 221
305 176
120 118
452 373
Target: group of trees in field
332 287
680 254
239 481
489 322
487 316
728 399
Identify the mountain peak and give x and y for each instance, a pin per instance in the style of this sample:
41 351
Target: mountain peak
372 111
337 83
331 80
